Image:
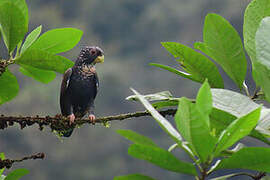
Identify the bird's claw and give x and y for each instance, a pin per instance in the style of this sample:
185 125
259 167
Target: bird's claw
92 118
71 119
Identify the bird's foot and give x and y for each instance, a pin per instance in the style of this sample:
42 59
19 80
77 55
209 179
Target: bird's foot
71 118
92 118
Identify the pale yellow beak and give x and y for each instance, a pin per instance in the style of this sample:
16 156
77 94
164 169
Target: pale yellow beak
99 59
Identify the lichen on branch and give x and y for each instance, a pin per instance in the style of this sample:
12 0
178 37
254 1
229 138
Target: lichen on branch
4 64
59 122
7 163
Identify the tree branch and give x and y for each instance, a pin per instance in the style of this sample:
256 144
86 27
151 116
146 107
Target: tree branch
9 162
4 64
59 122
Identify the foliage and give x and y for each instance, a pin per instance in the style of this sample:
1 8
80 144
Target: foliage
36 55
207 128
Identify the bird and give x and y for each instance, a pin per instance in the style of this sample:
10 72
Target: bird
79 87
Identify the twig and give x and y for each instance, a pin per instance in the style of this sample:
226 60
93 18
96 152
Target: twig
4 64
58 122
9 162
259 176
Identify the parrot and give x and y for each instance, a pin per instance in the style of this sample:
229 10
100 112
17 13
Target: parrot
79 87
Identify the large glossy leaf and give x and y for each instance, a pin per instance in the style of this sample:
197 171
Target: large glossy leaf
9 86
238 129
44 60
253 158
40 75
197 66
220 120
255 12
224 45
13 24
164 123
262 64
240 105
135 137
58 40
161 158
16 174
133 177
193 126
31 38
233 102
21 4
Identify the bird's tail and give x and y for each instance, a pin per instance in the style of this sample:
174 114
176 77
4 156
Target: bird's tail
64 133
67 133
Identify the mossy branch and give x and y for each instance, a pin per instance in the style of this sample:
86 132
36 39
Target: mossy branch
7 163
60 122
4 64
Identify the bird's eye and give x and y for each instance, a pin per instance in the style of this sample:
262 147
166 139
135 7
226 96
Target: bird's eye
92 51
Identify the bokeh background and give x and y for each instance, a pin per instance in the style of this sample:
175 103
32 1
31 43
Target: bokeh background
130 32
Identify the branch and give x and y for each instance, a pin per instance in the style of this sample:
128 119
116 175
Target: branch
59 122
4 64
9 162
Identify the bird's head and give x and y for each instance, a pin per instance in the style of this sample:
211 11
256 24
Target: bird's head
90 55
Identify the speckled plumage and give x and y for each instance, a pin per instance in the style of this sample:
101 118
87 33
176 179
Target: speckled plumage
80 84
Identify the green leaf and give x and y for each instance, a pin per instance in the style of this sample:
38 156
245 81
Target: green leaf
133 177
193 126
40 75
164 123
135 137
204 99
240 105
58 40
13 24
224 45
162 158
255 12
233 102
2 157
165 104
31 38
220 120
44 60
16 174
9 86
252 158
175 71
237 130
261 68
164 95
197 66
21 4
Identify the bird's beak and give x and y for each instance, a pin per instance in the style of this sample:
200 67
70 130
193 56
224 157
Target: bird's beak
99 59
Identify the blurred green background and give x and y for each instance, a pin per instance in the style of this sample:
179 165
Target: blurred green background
130 32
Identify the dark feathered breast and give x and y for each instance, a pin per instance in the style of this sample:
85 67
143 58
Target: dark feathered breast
80 92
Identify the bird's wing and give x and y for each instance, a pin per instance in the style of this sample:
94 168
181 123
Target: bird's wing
65 103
